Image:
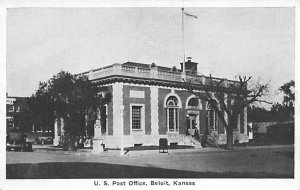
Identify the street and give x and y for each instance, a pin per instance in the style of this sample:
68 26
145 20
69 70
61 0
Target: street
243 162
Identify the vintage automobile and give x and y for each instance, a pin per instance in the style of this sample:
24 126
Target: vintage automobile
17 141
44 139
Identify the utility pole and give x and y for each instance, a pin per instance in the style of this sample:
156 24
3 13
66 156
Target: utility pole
183 45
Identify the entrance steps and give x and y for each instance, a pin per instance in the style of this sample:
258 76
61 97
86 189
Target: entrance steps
189 140
212 141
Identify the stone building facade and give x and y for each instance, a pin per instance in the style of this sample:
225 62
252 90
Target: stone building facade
150 102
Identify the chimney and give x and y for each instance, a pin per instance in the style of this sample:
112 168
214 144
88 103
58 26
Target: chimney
190 67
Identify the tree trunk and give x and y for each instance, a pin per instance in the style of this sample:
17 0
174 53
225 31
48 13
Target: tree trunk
86 124
205 136
232 123
69 142
204 140
229 139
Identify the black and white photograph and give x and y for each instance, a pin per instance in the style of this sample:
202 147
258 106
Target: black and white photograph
182 95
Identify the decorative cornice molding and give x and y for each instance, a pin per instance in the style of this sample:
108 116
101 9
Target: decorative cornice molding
158 82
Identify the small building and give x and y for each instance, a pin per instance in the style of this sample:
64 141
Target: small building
14 106
150 102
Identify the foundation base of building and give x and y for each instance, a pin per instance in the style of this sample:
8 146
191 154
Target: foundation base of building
147 140
98 146
56 141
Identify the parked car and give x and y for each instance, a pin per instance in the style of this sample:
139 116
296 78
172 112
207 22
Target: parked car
17 141
45 139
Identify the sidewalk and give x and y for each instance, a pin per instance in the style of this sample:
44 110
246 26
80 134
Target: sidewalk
45 147
136 153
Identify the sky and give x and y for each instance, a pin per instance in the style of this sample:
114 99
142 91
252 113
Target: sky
226 42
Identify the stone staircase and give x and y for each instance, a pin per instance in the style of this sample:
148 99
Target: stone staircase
212 141
215 140
195 142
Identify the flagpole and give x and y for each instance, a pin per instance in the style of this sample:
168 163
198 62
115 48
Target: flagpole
183 48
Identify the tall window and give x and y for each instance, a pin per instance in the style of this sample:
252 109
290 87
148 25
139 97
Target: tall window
103 119
172 113
136 115
211 118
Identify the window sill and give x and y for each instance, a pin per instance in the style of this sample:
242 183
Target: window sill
172 131
137 130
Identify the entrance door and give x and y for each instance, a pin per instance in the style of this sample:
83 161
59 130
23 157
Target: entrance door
191 124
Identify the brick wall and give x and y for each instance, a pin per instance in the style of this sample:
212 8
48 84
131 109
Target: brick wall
162 114
127 100
110 114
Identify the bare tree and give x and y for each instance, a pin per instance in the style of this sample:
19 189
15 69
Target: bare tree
228 99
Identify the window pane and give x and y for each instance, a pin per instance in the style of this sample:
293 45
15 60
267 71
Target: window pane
193 102
211 118
171 103
136 117
10 108
216 120
171 119
103 119
172 99
176 119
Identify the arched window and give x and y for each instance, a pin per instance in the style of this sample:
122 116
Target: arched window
172 113
193 102
211 118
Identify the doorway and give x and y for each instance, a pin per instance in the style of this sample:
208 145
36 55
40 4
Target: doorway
192 124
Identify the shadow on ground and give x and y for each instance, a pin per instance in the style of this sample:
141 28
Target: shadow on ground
75 170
